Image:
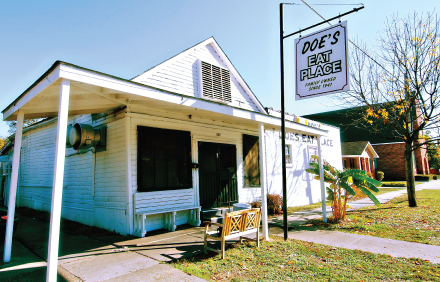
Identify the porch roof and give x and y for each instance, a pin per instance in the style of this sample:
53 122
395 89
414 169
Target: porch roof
96 92
356 149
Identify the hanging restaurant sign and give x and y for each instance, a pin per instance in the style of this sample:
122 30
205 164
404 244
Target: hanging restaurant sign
321 62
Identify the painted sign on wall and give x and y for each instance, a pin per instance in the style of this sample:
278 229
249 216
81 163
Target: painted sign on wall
321 62
307 139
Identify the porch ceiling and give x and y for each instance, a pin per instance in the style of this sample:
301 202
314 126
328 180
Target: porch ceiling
94 92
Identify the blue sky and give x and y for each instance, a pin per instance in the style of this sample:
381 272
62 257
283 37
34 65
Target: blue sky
125 38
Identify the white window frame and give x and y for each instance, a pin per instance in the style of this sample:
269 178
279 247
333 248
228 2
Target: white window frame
312 150
289 159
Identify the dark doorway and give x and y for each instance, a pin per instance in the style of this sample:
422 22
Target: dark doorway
217 175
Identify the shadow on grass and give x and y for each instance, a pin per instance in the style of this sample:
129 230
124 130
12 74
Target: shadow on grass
200 257
374 209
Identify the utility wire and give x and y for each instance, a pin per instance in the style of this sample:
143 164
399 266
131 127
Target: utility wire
365 53
326 4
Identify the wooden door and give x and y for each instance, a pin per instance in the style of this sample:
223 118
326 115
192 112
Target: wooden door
217 175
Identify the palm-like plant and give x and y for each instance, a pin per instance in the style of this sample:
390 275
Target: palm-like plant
343 185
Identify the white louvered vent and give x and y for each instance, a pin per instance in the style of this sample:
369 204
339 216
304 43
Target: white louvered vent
215 82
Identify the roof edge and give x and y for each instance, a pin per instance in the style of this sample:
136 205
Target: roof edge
44 75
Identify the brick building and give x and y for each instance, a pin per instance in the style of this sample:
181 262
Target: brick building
359 155
389 148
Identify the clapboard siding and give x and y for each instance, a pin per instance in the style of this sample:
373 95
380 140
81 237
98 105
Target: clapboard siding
180 75
207 131
96 183
199 132
149 202
86 187
110 175
36 175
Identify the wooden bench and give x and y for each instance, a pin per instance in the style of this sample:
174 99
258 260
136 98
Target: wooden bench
235 224
167 203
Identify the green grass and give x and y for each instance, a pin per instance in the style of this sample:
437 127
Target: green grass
395 220
293 260
291 210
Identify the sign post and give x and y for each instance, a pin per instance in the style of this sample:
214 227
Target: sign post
323 64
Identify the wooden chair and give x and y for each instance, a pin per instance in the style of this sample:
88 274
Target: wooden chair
235 224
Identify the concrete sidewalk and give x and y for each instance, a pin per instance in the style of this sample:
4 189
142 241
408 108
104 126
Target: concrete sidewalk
395 248
109 258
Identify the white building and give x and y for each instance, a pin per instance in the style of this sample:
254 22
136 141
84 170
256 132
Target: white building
181 137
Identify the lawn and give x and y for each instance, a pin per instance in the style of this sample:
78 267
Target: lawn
395 220
293 260
291 210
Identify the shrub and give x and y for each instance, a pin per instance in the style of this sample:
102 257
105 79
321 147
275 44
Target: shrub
380 175
434 177
343 185
256 204
421 177
274 204
394 184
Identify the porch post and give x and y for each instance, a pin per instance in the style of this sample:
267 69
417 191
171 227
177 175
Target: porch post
57 188
13 187
263 181
321 180
129 176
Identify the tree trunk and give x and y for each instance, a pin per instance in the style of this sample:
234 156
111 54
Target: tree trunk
409 171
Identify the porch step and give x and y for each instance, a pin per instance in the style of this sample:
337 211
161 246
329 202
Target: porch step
214 214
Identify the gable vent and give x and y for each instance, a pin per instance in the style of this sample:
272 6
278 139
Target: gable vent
215 82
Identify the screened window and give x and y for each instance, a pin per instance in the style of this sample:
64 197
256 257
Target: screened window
251 161
164 159
288 154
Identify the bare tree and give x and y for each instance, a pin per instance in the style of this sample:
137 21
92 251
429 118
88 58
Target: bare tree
398 85
28 122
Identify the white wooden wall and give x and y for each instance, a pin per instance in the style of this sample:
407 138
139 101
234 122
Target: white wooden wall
201 130
36 173
110 180
302 189
180 75
94 185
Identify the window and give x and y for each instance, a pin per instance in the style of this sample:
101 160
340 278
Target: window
251 161
164 159
352 165
313 151
215 82
288 154
345 163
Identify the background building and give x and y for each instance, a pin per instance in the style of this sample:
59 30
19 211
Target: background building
389 149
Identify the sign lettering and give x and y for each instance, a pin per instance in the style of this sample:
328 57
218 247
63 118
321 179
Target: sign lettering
321 62
309 139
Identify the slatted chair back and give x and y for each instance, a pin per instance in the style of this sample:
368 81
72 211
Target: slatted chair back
239 221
